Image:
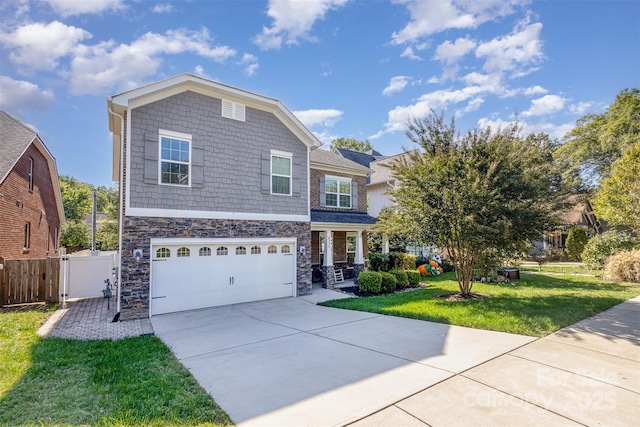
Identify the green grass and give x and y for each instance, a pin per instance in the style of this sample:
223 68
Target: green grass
132 382
560 268
536 305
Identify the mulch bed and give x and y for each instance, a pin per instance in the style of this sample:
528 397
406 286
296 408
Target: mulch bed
355 291
455 297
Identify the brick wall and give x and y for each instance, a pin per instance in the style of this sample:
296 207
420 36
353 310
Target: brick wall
19 205
315 176
138 231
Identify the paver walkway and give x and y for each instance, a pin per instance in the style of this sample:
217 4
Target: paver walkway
91 319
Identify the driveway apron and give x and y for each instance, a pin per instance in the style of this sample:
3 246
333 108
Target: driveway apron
290 362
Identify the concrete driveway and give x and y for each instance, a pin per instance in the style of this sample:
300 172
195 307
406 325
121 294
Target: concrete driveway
289 362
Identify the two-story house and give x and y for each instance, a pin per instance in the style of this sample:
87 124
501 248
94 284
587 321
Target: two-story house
30 200
214 187
339 218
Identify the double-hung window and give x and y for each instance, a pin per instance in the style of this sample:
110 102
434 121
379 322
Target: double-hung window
338 192
175 158
280 172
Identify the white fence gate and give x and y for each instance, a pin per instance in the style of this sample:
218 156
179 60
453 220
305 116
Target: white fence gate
84 276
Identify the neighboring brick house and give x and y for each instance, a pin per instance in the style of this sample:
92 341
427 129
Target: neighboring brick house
31 208
214 187
339 218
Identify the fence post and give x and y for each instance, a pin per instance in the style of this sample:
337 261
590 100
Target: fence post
2 286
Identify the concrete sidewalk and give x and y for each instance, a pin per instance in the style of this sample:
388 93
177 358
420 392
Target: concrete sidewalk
586 374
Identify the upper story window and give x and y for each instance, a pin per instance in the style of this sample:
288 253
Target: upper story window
175 158
30 173
338 192
27 235
281 172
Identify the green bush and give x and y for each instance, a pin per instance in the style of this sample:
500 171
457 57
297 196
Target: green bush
446 266
602 246
370 282
389 282
401 278
576 241
624 266
405 262
413 277
379 261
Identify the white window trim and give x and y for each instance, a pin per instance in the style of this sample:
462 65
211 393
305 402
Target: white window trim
30 173
338 178
284 154
175 135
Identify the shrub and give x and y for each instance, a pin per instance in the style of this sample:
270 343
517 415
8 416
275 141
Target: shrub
576 240
602 246
405 262
413 277
370 282
624 266
389 282
401 278
446 266
378 261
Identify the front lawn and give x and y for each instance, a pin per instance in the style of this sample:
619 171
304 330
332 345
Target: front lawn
535 305
132 382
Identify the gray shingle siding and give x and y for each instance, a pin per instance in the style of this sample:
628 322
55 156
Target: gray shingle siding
232 152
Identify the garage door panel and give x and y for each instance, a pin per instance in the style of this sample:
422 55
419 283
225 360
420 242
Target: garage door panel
212 277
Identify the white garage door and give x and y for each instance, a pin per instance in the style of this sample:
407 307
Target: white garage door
199 273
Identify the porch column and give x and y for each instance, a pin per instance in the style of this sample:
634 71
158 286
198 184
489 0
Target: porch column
385 244
328 277
358 262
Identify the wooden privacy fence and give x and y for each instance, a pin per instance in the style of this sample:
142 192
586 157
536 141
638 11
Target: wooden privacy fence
29 280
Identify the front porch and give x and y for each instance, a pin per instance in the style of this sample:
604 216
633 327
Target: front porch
337 251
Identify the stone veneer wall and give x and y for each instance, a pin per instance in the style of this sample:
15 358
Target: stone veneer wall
137 232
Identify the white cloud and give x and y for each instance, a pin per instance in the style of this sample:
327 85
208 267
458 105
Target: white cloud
534 90
19 95
430 17
251 64
580 108
98 68
162 8
293 20
39 46
408 53
515 52
450 53
473 105
78 7
546 105
396 84
325 118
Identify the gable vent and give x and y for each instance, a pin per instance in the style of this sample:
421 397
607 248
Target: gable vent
233 110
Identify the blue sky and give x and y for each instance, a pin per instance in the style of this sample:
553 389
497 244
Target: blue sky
346 68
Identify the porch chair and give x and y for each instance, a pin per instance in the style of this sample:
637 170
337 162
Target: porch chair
338 276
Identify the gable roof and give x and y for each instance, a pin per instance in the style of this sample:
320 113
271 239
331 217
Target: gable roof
380 171
15 139
327 160
361 158
189 82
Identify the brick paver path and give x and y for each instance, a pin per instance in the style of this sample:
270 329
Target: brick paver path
89 319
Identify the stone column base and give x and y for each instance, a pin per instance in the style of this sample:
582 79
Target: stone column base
328 277
357 269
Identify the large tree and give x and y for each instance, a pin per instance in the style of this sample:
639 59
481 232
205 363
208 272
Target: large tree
617 200
598 140
351 144
483 193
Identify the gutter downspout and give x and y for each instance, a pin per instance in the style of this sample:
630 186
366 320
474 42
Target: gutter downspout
121 206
